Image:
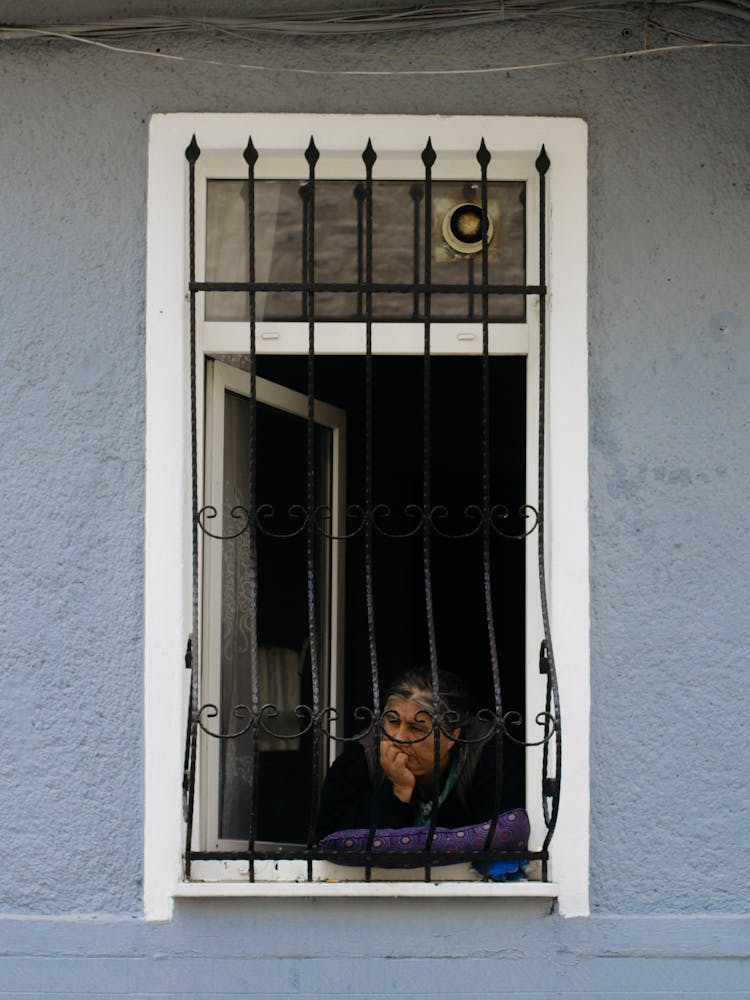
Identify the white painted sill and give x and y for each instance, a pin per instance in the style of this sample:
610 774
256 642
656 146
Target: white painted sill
386 890
288 879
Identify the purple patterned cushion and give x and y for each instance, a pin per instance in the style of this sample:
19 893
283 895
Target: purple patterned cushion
511 834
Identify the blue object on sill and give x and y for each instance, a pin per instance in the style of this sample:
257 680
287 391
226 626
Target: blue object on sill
503 871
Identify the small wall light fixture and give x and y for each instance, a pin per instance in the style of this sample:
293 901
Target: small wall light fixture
462 229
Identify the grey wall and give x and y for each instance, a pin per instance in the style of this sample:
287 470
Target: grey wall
670 357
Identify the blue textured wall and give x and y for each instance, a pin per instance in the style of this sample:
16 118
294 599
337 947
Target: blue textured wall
463 950
670 358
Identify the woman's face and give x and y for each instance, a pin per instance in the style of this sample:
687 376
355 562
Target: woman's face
408 721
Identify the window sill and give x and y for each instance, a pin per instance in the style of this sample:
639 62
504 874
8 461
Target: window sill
387 890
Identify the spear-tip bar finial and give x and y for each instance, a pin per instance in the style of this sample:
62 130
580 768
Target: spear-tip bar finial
483 155
542 161
250 153
311 153
193 151
428 154
369 155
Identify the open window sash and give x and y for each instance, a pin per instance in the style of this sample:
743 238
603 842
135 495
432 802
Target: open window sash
284 779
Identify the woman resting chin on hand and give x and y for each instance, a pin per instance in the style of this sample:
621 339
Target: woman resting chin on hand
395 764
407 753
390 781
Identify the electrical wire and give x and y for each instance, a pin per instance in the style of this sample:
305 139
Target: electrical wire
468 71
426 16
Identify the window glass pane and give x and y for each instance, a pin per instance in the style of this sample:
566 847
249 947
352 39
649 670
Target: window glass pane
397 256
283 647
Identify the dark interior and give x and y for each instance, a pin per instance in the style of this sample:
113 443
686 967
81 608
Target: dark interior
399 593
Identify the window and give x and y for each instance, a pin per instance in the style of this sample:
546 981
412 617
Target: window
220 387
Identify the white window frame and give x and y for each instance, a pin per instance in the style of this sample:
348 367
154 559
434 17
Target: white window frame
514 143
227 378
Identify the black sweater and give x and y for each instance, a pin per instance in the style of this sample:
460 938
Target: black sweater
350 800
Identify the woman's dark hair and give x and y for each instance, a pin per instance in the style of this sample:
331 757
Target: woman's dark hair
416 685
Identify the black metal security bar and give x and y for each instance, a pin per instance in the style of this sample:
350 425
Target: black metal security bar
550 783
368 157
308 287
312 156
370 518
192 658
428 158
483 158
250 156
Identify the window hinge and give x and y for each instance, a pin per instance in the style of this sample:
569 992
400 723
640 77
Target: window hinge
543 658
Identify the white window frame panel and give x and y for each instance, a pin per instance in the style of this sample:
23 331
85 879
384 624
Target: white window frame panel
227 378
514 143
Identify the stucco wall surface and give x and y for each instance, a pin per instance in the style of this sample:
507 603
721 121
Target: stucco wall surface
322 949
669 366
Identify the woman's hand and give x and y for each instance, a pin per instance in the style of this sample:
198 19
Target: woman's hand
393 760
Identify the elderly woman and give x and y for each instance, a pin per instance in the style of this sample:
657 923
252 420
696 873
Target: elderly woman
391 780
